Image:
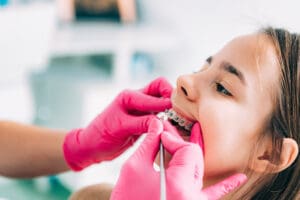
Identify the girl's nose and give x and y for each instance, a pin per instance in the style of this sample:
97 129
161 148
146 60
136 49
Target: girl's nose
185 86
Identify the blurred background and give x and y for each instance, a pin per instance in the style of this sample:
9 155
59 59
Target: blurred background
63 61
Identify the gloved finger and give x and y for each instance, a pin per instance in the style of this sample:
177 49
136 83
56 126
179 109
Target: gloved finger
196 136
168 127
172 143
133 100
137 125
140 125
160 87
147 151
131 140
184 153
187 163
220 189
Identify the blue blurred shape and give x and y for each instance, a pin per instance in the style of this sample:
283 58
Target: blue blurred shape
3 2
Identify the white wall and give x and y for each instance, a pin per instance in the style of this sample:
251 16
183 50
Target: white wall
25 33
205 25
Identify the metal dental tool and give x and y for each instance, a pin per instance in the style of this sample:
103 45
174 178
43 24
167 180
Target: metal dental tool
163 193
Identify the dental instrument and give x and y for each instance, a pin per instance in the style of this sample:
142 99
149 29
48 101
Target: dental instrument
163 193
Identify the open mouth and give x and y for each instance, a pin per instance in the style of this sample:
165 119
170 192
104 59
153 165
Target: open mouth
182 124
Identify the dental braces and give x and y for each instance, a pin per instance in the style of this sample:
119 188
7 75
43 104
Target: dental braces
184 123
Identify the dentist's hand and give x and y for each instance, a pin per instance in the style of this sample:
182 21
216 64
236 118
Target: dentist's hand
186 169
118 126
184 173
138 179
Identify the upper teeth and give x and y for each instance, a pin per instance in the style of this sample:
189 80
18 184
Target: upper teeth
162 116
183 122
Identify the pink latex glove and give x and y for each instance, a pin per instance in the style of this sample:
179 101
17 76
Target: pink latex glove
118 126
184 173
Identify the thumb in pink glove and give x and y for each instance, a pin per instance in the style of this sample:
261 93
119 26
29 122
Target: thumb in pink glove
118 126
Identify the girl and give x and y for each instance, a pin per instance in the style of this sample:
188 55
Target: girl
246 101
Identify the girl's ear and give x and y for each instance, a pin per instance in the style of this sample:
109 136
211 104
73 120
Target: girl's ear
289 153
263 163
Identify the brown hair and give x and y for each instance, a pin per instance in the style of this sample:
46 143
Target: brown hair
285 121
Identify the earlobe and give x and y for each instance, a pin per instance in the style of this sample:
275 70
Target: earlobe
288 154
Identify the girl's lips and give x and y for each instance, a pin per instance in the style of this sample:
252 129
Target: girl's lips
181 113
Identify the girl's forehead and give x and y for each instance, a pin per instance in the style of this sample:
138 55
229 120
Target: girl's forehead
254 55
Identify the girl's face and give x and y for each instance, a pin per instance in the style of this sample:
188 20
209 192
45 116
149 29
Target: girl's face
231 97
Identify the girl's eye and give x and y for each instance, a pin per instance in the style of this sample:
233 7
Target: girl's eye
220 88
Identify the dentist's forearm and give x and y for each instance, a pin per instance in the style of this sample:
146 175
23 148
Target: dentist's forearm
29 151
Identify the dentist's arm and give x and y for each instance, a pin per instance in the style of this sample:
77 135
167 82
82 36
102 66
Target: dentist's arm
28 151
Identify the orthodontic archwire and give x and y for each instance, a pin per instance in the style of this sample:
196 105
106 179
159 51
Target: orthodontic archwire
187 125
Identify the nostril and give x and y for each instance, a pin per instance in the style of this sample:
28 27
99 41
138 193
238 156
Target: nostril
184 91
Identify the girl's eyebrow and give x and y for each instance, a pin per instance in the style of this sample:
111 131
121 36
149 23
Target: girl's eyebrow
229 68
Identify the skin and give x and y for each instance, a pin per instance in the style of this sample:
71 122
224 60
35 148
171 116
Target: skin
18 157
231 112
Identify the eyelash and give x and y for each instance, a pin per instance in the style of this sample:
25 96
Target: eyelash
221 89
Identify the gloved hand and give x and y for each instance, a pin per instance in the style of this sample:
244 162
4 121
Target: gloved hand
118 126
184 173
186 169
